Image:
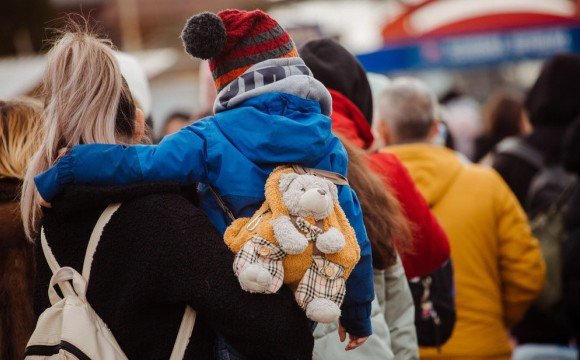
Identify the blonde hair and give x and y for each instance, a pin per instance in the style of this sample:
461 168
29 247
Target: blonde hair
20 135
86 101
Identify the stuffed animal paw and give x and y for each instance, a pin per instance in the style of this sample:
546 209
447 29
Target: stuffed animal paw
258 266
255 278
289 238
321 290
330 242
323 311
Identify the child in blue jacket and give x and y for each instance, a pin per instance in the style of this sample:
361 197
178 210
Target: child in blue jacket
269 111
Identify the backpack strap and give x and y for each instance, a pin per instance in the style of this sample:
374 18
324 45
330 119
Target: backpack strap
96 237
184 334
333 177
222 203
51 260
188 320
564 197
91 247
518 148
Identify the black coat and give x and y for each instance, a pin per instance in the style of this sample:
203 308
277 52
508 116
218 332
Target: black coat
536 326
158 253
572 265
571 272
518 173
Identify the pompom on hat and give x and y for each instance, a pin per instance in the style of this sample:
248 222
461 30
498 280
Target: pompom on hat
235 40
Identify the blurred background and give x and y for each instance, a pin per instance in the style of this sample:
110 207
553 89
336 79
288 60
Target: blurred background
463 49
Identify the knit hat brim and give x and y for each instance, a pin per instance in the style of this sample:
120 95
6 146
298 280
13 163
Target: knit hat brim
234 41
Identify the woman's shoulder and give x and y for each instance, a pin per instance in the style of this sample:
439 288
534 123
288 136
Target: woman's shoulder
166 213
163 205
164 228
148 210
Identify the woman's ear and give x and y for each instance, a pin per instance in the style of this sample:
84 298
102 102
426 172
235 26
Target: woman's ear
435 130
384 133
139 126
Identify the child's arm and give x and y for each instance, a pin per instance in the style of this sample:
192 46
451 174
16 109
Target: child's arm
360 292
181 157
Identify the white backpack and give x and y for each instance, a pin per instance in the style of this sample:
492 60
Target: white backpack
70 328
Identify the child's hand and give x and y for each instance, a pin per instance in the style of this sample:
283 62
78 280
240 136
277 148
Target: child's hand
44 203
61 152
353 342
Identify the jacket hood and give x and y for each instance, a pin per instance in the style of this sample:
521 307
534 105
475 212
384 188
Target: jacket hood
434 169
286 75
349 122
548 139
85 198
338 69
279 127
553 99
276 111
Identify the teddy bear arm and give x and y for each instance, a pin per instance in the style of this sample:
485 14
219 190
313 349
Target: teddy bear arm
331 241
289 238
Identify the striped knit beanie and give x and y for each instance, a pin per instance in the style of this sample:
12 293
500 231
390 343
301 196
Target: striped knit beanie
235 40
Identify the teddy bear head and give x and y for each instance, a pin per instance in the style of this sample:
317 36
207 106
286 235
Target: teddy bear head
308 195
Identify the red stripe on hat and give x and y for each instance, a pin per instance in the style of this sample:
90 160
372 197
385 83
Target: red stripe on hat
235 54
241 24
225 79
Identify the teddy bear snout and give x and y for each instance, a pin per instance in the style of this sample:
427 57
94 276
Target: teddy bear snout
314 201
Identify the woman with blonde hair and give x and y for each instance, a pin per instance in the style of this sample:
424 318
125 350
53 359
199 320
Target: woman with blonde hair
159 252
20 135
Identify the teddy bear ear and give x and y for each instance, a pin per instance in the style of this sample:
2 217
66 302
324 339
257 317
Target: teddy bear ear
333 190
286 180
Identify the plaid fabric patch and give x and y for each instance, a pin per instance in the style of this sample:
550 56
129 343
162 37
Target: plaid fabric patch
322 280
311 231
260 251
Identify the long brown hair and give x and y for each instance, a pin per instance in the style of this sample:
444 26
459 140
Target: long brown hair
387 227
503 114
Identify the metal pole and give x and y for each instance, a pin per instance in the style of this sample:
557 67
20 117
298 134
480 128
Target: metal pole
129 24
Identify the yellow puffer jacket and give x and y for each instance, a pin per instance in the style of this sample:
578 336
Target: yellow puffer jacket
237 234
498 265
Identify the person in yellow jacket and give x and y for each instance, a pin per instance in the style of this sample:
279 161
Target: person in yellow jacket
499 269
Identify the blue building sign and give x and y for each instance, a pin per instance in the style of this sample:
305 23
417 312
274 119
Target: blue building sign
481 49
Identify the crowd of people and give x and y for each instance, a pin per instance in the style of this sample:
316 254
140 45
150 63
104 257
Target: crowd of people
463 253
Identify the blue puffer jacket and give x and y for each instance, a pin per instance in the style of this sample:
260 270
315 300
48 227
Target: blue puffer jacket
234 151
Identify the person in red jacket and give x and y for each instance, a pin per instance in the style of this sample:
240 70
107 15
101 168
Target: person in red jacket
352 113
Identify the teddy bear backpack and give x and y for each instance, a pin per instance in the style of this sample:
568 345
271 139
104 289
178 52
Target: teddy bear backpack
300 237
70 328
